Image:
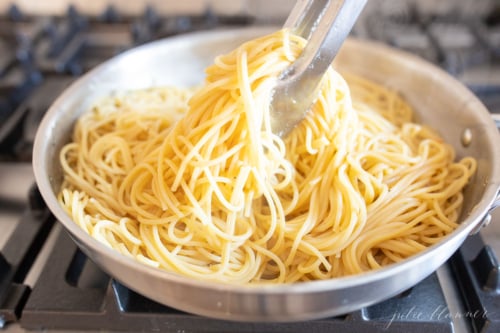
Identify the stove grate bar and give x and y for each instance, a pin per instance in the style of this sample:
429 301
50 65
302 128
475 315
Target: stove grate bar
18 255
476 269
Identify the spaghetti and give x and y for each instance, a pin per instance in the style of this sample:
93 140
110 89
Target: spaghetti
195 182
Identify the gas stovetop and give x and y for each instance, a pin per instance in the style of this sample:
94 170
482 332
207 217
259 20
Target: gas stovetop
47 283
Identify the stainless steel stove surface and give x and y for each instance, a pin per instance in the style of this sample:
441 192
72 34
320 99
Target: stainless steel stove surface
47 284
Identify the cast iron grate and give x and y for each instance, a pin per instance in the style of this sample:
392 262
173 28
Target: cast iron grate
19 254
477 273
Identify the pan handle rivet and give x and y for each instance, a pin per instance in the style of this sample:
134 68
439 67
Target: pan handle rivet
466 137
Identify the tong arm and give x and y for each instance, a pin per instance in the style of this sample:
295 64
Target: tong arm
325 24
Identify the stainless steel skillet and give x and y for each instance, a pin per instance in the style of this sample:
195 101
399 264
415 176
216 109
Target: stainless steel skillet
440 101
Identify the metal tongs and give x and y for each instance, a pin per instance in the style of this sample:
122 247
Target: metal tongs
325 24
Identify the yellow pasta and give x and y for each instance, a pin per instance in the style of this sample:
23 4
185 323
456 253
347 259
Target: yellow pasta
193 181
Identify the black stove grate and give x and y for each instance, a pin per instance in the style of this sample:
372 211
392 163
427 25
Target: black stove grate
478 276
464 43
19 254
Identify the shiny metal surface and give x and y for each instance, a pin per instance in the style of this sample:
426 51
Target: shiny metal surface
325 25
439 100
